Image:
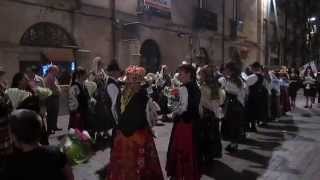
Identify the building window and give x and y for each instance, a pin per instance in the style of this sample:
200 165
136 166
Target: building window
140 6
161 8
203 4
150 56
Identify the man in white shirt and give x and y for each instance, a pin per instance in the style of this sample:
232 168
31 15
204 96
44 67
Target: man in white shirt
113 91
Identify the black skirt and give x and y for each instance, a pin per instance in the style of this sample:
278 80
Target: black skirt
233 120
293 89
210 137
257 106
310 92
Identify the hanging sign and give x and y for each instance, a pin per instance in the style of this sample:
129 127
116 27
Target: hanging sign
160 6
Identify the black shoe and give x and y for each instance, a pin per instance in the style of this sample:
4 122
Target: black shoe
57 129
217 156
263 124
253 129
231 148
50 132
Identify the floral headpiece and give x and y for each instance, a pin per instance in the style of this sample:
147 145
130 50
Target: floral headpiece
135 74
150 77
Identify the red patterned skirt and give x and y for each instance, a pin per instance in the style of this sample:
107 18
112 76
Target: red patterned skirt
134 158
284 100
76 121
182 159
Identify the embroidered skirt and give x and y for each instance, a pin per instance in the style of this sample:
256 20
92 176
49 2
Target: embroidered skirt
284 100
76 121
134 158
182 157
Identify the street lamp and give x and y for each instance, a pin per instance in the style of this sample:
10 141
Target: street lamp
312 19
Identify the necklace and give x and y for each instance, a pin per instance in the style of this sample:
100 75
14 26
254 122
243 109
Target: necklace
125 99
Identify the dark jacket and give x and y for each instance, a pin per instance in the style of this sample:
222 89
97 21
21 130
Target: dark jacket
134 116
192 112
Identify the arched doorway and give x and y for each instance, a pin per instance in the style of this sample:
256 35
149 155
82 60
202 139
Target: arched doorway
53 45
150 56
45 34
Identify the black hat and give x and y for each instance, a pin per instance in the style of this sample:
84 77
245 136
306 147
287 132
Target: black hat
256 65
113 67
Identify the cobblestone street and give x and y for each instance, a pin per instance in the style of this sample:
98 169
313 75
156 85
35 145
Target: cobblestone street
286 150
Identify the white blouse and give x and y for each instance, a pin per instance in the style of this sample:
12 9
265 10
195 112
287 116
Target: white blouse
211 104
73 103
183 102
232 88
308 80
17 96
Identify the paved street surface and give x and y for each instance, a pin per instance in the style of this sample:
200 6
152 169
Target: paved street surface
285 150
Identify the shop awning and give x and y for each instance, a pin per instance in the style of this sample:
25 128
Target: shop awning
59 55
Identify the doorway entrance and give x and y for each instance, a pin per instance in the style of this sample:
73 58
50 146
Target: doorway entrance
150 56
56 46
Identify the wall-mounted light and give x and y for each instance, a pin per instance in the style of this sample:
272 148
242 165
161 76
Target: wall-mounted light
312 19
182 34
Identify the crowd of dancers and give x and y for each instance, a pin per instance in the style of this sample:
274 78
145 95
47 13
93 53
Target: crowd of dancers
206 104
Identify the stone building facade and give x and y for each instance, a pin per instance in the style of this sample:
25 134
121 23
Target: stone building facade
178 39
145 33
36 28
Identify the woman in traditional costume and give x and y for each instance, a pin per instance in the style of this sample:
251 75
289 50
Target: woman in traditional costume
294 86
257 101
309 83
234 105
275 94
134 155
212 97
78 100
182 156
104 119
284 93
163 82
268 84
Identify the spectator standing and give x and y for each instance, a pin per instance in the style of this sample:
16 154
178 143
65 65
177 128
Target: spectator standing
6 145
51 82
33 161
309 83
78 101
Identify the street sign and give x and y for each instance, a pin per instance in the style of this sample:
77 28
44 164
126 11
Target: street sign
163 5
158 7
